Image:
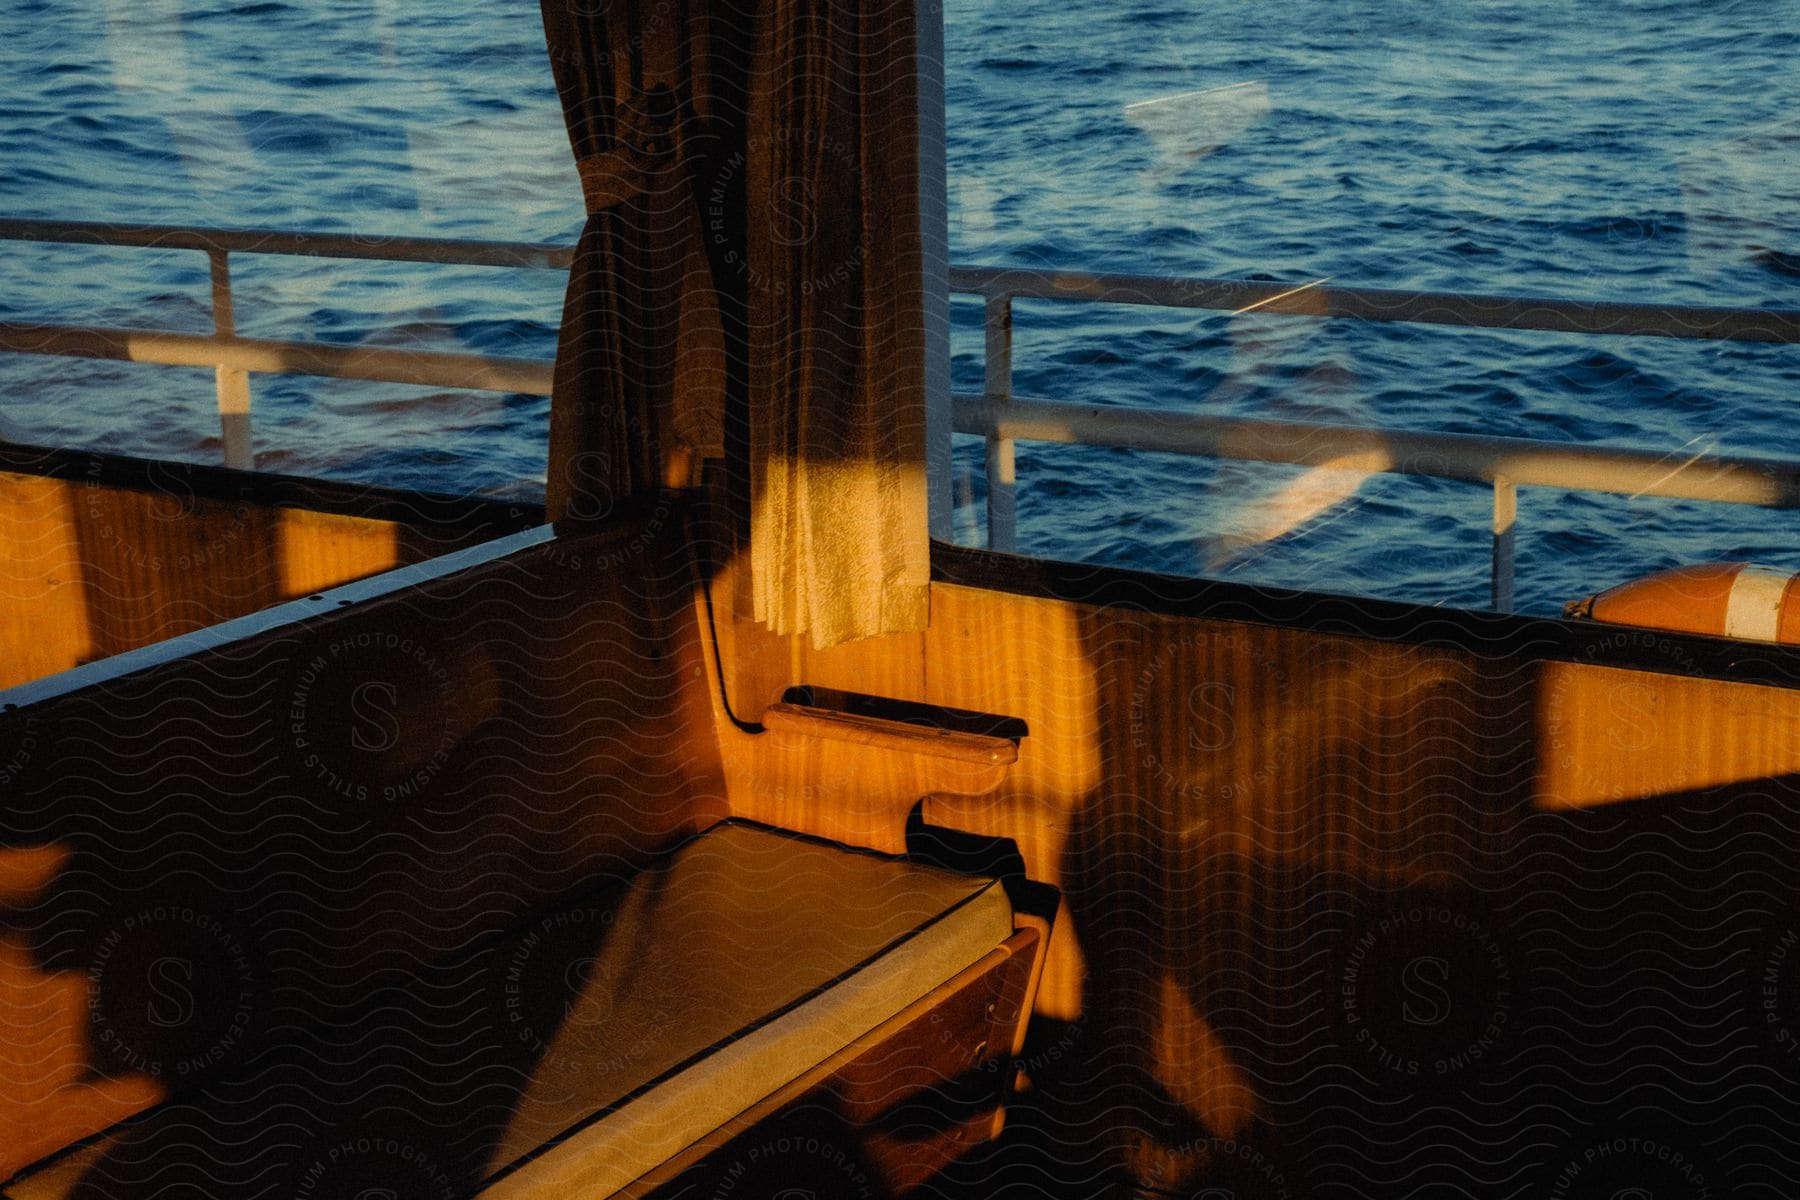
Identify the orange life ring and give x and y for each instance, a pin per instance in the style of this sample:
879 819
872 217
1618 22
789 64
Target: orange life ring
1734 600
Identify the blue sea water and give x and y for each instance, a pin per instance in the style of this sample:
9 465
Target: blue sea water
1596 149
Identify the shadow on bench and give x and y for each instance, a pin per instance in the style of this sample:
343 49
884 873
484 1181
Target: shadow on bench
751 979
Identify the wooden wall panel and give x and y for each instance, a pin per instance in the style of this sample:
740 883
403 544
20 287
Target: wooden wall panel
327 812
91 568
1046 680
322 550
1260 830
1607 735
155 564
43 607
52 1096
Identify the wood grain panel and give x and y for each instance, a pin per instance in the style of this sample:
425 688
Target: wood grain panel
1046 680
91 568
1607 735
1255 826
322 550
43 605
334 806
54 1099
164 562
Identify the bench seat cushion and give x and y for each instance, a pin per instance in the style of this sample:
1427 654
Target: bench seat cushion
583 1049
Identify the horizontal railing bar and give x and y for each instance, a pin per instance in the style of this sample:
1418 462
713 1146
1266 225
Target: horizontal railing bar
454 251
1375 304
430 368
1315 300
1466 457
1475 459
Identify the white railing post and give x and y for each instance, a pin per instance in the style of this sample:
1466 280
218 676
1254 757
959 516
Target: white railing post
231 383
1506 514
998 415
1002 477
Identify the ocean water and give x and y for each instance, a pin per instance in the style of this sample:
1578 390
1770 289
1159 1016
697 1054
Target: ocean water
1594 149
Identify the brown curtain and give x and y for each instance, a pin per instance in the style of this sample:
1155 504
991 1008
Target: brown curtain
641 368
839 541
750 280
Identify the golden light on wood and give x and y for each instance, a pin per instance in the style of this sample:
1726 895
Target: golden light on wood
52 1095
322 550
1606 735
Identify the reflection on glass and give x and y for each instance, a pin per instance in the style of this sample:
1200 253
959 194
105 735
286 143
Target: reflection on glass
1589 152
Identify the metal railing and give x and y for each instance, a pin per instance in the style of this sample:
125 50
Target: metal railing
233 358
1504 464
996 414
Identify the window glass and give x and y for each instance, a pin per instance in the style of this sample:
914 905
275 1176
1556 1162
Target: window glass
370 117
1586 151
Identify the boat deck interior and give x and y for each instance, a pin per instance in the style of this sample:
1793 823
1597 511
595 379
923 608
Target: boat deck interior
1250 812
712 831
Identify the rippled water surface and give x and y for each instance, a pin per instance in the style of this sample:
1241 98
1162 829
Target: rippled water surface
1594 149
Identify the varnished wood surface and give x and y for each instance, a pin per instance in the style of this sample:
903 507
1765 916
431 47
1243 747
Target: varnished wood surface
330 808
1606 735
1236 811
810 721
924 1096
1232 809
91 567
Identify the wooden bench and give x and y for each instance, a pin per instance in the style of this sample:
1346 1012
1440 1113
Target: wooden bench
601 1047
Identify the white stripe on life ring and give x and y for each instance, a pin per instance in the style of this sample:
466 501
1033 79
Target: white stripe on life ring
1754 609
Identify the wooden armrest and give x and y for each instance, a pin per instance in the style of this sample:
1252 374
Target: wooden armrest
882 734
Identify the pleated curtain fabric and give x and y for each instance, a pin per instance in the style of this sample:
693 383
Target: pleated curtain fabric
750 279
640 367
839 541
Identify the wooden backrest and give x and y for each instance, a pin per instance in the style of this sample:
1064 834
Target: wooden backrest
100 554
222 843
